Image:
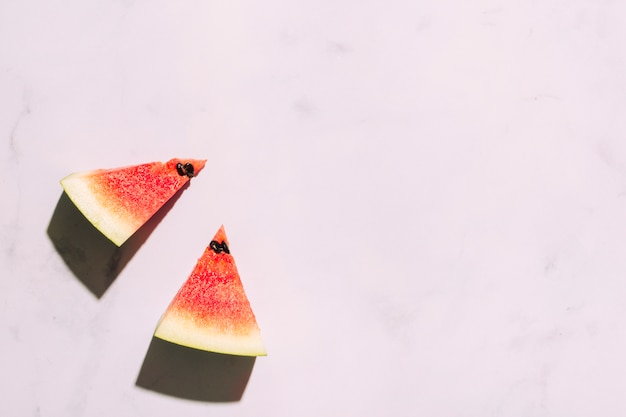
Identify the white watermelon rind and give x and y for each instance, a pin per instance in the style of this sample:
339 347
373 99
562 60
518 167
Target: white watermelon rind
183 331
115 227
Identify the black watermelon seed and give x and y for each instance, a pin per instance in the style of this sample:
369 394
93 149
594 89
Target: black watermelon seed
218 247
186 169
189 169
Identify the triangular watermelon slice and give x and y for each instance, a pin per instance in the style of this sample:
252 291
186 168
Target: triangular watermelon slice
211 311
119 201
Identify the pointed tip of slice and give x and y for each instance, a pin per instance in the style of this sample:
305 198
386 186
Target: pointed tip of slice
220 235
198 164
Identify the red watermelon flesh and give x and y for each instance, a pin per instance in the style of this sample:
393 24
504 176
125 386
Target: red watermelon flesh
211 310
119 201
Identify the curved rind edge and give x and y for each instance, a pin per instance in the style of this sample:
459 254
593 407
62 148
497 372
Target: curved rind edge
116 229
186 333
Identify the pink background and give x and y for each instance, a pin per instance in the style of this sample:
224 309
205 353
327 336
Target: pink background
426 202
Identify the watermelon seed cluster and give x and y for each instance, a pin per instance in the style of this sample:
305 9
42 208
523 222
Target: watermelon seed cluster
219 247
186 169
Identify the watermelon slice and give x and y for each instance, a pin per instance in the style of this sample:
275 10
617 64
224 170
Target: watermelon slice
119 201
211 311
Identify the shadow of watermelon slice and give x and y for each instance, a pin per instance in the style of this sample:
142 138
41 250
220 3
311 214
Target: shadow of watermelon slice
91 256
194 374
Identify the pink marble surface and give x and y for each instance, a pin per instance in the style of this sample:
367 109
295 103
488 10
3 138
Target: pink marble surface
426 201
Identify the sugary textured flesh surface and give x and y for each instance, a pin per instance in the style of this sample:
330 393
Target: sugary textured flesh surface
119 201
211 311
